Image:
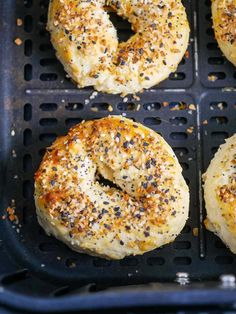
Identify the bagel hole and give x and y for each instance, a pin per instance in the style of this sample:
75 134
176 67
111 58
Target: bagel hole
105 182
123 27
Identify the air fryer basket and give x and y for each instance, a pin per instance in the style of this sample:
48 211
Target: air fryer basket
38 103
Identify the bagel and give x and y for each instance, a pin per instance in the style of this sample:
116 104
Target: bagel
86 42
224 21
220 194
146 210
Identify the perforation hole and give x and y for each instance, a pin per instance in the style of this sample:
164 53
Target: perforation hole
184 165
28 3
152 121
179 136
28 48
129 261
210 32
44 4
27 189
47 137
152 106
15 277
48 77
178 121
100 107
224 260
155 261
48 122
49 62
214 150
28 72
74 106
27 163
208 17
216 60
219 135
182 245
72 121
177 76
43 18
180 151
28 23
101 263
218 105
44 33
219 120
42 152
212 46
184 261
126 106
27 137
71 262
217 75
48 107
27 112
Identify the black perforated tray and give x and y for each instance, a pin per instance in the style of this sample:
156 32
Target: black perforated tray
39 103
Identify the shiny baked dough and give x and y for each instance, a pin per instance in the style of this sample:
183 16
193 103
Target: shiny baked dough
148 210
224 20
86 42
220 193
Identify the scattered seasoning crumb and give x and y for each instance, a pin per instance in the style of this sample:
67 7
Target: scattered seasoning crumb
165 104
195 232
220 106
94 109
58 258
138 107
4 217
190 129
136 97
11 215
110 108
72 265
187 54
18 41
42 265
13 133
19 22
205 122
86 102
192 107
212 78
179 106
125 99
93 95
13 152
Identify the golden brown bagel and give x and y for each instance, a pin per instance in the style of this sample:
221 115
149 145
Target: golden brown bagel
150 208
220 194
224 21
87 45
